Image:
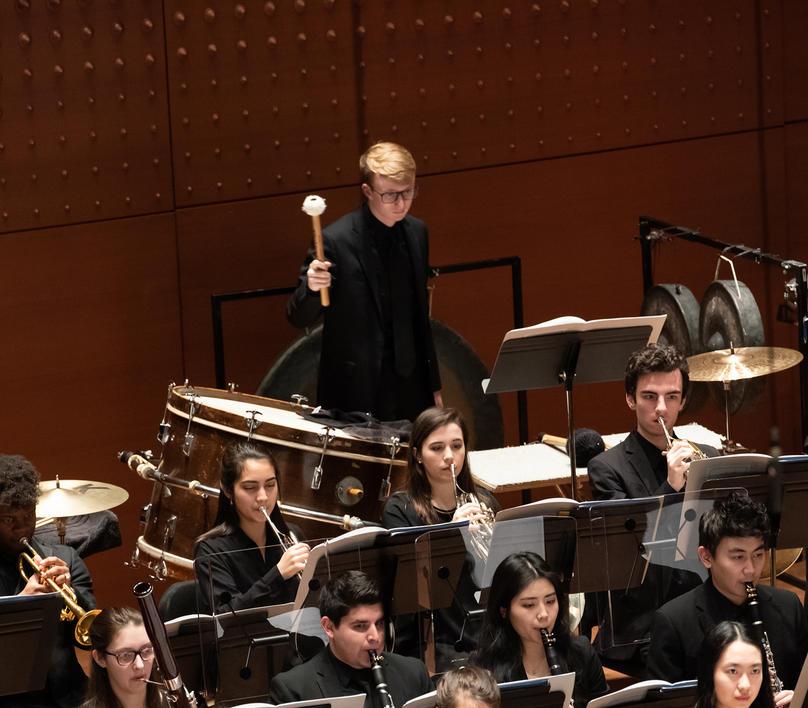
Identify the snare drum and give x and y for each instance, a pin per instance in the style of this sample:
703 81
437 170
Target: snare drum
321 469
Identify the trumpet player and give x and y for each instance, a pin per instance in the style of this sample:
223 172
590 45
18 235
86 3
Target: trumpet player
438 480
250 558
19 490
733 539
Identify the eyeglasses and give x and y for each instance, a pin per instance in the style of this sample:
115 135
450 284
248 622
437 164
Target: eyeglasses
406 195
125 658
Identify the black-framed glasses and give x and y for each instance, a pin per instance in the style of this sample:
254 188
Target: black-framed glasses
406 195
125 658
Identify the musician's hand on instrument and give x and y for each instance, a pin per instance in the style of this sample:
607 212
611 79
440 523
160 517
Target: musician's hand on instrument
469 511
678 457
55 569
293 560
317 276
783 698
34 587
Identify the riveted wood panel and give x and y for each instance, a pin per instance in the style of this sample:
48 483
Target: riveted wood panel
490 82
83 116
263 97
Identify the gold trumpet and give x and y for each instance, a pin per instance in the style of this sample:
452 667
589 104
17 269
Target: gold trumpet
71 610
696 452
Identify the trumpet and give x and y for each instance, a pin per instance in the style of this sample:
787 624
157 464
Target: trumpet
71 611
480 529
696 452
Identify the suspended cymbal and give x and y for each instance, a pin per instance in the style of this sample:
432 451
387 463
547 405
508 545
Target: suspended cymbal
71 497
741 363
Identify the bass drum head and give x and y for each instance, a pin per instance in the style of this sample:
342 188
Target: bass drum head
730 316
295 372
681 329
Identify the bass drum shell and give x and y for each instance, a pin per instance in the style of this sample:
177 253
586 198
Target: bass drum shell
681 330
295 372
730 316
353 469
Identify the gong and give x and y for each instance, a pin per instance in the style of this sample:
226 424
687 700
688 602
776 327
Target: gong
730 317
461 371
681 329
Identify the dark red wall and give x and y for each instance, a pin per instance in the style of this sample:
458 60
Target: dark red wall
153 153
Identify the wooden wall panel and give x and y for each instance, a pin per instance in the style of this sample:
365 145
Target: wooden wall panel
91 315
263 97
83 115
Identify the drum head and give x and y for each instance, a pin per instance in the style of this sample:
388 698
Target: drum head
461 370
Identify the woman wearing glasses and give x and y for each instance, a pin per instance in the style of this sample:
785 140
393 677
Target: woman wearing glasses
123 658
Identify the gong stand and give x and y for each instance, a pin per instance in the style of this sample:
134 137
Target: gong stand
569 349
653 230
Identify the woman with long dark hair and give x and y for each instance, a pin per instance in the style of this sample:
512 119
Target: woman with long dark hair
240 562
429 496
527 596
123 658
732 670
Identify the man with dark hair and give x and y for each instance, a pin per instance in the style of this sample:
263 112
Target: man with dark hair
656 385
19 490
352 617
733 539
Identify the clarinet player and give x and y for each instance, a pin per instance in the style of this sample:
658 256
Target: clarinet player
733 539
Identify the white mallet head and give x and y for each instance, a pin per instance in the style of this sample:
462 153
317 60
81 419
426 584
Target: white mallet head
314 205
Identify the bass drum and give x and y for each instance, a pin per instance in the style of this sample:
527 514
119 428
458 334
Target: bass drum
461 371
198 425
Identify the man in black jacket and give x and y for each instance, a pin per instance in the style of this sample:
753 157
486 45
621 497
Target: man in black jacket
352 617
378 355
733 538
19 489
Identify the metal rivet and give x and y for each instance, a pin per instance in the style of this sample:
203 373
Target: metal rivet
269 8
240 11
119 63
209 15
247 147
94 169
87 33
117 28
212 48
150 60
147 24
241 45
125 166
179 18
272 41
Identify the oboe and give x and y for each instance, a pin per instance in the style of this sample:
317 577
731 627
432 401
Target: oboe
550 651
379 680
762 637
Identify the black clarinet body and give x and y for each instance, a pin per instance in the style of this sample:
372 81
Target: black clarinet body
379 679
763 639
550 651
173 686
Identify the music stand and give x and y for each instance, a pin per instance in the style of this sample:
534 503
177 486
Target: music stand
549 692
28 625
658 694
566 350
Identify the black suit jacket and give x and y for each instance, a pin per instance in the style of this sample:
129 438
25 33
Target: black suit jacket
319 678
353 336
624 472
680 626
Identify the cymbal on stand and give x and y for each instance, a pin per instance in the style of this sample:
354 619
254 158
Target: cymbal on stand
742 363
71 497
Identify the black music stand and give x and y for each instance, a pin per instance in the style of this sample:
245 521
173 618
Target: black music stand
658 694
28 625
549 692
568 350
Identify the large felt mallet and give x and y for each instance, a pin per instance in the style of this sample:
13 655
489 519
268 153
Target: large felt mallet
314 206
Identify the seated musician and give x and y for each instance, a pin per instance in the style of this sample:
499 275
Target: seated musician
431 495
733 538
656 384
732 670
123 659
19 491
527 597
468 687
352 617
241 562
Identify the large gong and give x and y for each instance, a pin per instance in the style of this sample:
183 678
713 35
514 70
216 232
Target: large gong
295 372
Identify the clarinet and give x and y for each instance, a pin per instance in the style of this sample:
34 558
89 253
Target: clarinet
379 681
762 637
550 651
177 694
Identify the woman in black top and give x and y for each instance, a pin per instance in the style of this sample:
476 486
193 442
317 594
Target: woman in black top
526 596
430 496
240 562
